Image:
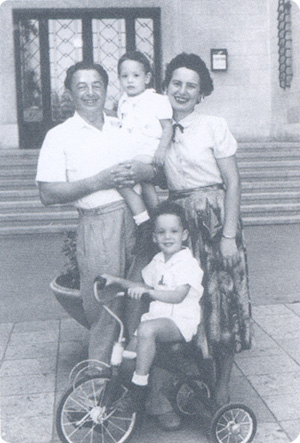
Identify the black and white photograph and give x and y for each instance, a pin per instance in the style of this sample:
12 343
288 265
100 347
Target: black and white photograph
150 275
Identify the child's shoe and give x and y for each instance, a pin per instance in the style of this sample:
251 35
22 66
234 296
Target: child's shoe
134 400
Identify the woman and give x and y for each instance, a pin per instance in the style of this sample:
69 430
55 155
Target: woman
202 176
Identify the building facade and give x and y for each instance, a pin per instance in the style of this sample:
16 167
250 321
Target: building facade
252 48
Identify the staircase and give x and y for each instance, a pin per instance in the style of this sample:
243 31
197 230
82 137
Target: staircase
270 174
21 211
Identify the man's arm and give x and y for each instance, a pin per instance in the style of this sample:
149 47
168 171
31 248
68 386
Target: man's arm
65 192
128 174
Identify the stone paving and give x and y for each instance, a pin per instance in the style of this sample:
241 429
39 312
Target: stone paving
37 357
39 344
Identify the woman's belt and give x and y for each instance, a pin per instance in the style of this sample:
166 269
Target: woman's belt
182 193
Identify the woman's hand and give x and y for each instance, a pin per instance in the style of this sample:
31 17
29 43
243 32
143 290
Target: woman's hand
229 252
137 292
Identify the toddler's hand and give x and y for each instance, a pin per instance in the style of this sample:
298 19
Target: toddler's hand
159 158
136 292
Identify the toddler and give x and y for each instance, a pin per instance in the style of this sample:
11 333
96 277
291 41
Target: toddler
173 281
145 117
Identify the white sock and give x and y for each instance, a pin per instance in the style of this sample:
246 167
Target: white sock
140 380
141 218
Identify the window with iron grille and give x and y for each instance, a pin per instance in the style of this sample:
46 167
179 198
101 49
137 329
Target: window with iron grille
285 43
47 42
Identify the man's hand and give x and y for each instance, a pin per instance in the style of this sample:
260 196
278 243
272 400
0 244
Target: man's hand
127 174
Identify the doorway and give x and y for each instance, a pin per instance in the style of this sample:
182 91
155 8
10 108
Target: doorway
48 41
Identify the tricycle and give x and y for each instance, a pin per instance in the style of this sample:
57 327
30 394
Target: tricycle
91 411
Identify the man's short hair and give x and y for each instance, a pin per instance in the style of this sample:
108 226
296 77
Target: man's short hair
81 66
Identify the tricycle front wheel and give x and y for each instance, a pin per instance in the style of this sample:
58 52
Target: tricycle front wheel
83 416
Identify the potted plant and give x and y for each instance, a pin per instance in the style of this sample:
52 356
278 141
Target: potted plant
66 286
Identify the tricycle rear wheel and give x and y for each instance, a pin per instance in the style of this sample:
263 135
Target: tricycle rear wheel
233 423
192 396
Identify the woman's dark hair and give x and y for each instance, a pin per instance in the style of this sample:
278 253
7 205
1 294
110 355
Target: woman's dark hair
136 56
195 63
80 66
169 207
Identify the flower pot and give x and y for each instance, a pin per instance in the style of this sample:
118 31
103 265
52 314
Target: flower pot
71 301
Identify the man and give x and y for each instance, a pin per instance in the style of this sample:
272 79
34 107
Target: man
78 164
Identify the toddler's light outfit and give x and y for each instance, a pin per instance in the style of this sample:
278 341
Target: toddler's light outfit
139 117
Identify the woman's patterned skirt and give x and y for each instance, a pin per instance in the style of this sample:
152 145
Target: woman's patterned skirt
226 301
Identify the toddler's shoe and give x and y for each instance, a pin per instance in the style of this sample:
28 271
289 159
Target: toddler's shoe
144 244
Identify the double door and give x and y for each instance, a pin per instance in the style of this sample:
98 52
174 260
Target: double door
48 41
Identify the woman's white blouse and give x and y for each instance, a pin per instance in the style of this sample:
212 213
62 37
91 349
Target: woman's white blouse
191 160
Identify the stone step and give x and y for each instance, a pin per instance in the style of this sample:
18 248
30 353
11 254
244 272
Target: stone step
245 167
281 208
37 211
286 196
268 150
250 204
268 164
269 146
270 174
11 173
17 183
271 220
23 200
18 206
43 218
51 228
15 178
274 186
24 162
41 229
256 155
16 195
248 198
18 153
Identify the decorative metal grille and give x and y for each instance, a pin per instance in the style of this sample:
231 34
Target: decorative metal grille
144 37
109 43
285 44
30 70
49 41
65 49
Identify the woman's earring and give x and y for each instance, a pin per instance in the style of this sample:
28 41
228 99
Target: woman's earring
200 99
